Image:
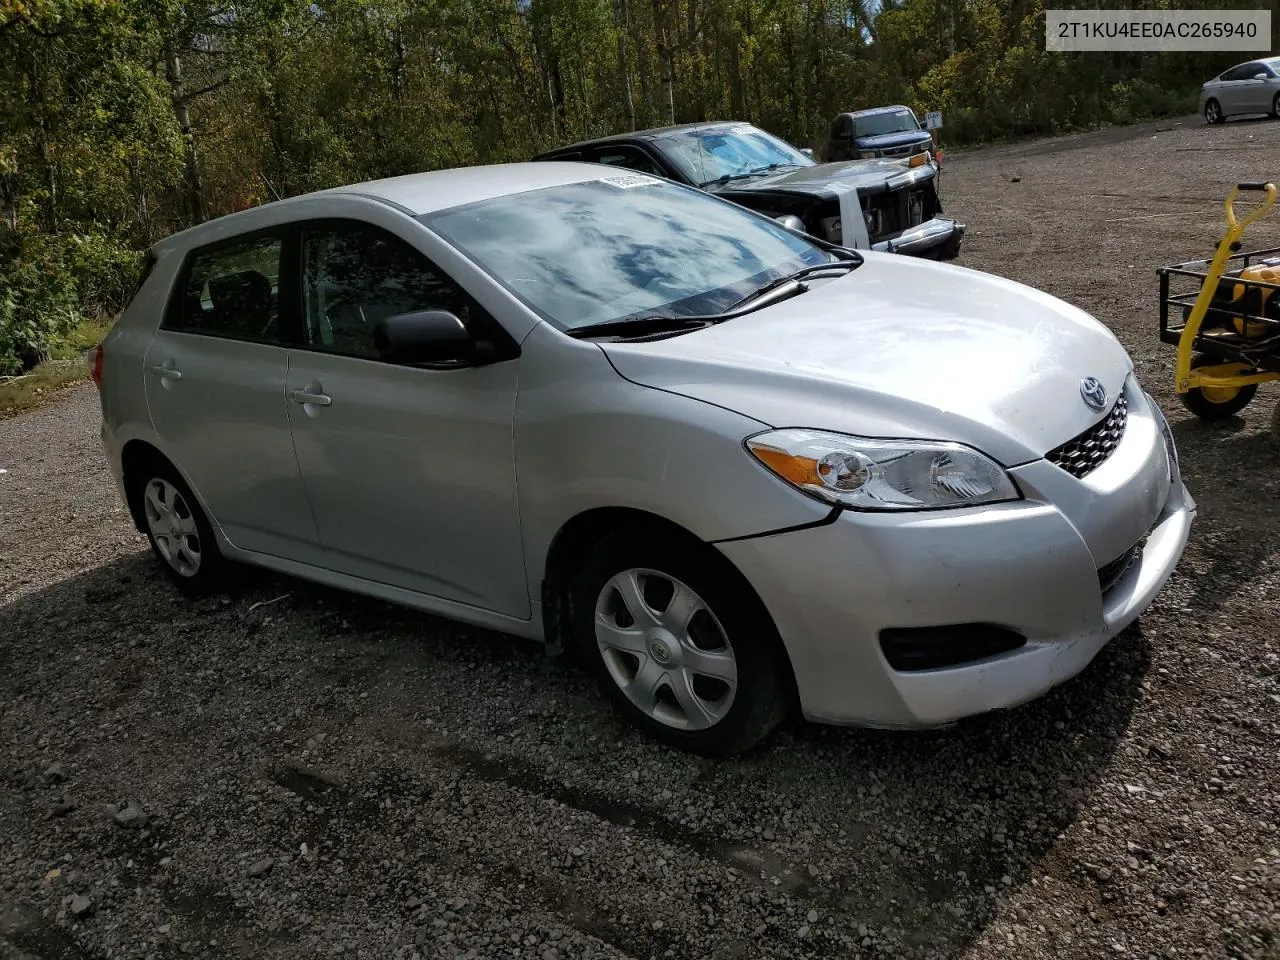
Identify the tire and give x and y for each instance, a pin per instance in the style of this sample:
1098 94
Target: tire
1275 107
1212 112
1216 403
748 690
178 530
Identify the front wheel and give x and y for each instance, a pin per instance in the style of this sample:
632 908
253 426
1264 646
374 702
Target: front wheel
1275 107
680 644
1216 403
1212 112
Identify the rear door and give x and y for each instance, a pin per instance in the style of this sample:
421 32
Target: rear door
215 377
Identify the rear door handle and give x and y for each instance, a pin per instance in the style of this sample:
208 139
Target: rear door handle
317 399
166 373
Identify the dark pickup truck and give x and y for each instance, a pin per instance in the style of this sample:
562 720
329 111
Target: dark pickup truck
878 132
887 205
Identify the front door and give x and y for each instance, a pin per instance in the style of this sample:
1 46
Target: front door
215 375
410 471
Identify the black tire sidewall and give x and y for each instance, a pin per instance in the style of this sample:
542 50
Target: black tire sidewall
765 693
210 575
1214 119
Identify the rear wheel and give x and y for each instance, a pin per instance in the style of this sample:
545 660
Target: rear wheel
1212 112
680 644
1216 403
180 534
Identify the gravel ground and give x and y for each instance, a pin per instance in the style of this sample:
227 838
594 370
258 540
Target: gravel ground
292 772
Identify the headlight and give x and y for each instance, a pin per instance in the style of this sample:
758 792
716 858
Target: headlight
868 154
873 474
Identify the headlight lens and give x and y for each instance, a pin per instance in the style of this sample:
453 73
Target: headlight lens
874 474
868 154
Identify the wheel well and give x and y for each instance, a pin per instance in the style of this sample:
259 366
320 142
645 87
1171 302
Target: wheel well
574 540
134 459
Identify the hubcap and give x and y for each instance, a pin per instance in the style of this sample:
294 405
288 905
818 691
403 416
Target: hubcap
173 526
1211 112
665 649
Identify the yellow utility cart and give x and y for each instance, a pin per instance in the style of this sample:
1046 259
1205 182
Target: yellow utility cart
1226 322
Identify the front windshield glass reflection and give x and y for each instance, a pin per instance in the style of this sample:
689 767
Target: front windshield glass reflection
593 252
719 153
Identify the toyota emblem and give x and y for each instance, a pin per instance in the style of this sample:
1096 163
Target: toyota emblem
1093 393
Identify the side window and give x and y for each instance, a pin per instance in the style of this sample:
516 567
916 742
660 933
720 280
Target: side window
232 290
355 275
629 157
844 128
1243 72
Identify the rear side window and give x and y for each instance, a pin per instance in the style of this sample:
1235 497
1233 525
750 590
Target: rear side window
232 290
629 157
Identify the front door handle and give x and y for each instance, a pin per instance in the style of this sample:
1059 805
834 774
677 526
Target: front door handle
316 399
166 372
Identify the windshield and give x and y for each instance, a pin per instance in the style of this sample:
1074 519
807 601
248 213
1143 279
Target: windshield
705 156
588 253
877 123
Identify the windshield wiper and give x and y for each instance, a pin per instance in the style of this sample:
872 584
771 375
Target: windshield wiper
644 325
660 324
795 278
748 174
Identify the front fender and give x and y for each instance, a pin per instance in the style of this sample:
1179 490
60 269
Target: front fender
587 438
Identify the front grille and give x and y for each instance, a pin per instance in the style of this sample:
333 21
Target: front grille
1083 454
894 211
898 151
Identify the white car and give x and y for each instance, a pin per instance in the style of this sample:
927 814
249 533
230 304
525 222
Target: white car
1246 88
740 469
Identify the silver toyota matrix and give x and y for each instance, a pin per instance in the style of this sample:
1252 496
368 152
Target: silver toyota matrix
741 470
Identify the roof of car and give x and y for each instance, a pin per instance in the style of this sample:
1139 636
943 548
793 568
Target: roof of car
414 193
871 111
649 134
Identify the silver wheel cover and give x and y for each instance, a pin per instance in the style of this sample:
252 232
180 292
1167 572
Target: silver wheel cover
173 526
665 649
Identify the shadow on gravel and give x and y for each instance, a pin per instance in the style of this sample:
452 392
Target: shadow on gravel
907 837
1234 475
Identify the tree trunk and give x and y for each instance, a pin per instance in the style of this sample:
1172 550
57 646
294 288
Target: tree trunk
622 20
193 185
666 61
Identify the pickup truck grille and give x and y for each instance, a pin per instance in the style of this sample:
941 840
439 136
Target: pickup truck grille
901 151
1083 454
895 211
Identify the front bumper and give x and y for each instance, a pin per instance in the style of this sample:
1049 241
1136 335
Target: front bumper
1032 567
936 239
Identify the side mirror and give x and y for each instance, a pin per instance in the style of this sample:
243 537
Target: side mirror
424 336
807 151
1261 76
791 222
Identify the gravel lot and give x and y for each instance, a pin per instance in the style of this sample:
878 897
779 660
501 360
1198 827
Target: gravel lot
293 772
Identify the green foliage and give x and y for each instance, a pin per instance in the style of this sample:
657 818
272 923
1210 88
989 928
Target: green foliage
51 284
123 120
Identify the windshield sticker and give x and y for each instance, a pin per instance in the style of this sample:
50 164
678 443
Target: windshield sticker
626 183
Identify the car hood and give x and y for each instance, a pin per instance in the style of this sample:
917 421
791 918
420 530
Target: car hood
862 175
896 139
900 347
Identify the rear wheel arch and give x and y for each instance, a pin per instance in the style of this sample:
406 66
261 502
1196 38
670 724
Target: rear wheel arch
136 458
